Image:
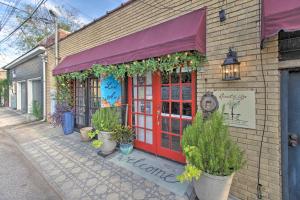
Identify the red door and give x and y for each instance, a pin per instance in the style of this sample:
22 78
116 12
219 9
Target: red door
161 106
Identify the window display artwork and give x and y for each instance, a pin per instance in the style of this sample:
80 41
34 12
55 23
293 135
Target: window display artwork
110 92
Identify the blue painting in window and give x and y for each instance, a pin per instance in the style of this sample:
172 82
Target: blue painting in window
110 92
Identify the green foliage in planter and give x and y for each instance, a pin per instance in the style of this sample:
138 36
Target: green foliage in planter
37 110
106 119
123 134
97 143
209 148
4 87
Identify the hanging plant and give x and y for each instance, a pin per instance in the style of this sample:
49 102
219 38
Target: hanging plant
165 64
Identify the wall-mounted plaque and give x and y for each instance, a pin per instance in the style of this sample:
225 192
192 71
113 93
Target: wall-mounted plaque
209 102
239 107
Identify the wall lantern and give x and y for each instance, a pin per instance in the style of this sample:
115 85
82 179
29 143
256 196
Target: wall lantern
231 67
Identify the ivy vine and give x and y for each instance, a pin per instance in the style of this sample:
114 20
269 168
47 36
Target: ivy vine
166 64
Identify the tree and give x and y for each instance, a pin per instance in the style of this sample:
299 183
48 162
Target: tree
41 25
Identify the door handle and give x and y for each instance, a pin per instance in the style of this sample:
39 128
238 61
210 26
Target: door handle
158 117
293 140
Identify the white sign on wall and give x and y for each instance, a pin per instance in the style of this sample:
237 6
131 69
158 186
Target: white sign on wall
239 107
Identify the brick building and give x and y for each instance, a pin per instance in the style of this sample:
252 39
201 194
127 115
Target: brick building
259 73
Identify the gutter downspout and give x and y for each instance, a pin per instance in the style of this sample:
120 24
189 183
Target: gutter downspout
44 59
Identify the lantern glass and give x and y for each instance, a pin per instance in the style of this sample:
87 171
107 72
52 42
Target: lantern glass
231 72
231 67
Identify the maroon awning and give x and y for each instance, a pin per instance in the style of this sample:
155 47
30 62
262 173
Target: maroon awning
183 33
280 15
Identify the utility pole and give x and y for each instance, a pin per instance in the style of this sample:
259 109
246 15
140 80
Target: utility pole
52 13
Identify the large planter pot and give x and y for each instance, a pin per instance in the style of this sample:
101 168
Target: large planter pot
84 134
126 148
108 145
210 187
68 122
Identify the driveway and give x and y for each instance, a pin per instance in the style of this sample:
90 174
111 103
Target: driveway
19 179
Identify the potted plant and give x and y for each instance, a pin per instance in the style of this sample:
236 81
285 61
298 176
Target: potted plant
124 135
212 157
104 121
64 116
84 134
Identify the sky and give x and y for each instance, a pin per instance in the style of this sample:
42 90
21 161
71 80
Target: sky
87 11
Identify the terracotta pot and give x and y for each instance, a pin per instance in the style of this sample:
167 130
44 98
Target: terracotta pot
108 145
210 187
84 134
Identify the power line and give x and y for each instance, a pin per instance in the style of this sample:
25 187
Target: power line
26 20
13 10
8 5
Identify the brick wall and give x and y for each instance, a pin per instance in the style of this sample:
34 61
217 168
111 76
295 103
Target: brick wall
241 31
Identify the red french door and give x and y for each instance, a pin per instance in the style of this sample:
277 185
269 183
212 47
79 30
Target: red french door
160 107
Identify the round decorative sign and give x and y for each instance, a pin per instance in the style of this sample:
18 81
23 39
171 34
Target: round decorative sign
209 102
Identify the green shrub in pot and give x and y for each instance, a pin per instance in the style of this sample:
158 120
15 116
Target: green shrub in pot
212 156
104 121
124 135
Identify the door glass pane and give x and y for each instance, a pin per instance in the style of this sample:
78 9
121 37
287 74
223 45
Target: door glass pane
165 140
175 126
140 80
148 107
140 120
135 106
186 92
141 107
165 107
149 137
149 122
149 78
149 93
165 93
176 143
174 77
134 80
141 92
175 92
187 109
186 77
175 108
141 134
135 95
164 78
165 124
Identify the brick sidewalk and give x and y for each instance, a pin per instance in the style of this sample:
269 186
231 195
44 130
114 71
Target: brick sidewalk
76 171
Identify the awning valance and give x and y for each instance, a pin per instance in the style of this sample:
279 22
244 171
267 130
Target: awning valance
280 15
183 33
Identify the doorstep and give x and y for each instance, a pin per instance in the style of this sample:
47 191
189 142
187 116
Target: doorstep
75 171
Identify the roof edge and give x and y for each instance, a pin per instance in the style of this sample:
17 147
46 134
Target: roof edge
25 57
122 5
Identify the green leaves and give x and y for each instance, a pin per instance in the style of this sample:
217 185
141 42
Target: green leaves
208 147
165 64
190 172
97 143
106 119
